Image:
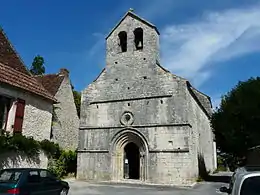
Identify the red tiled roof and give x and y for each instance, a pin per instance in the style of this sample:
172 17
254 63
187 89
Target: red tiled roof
14 72
18 79
9 56
51 82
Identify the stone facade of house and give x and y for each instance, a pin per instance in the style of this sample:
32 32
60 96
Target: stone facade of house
25 106
138 120
65 124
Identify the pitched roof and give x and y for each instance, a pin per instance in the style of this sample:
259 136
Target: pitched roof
24 81
132 14
9 56
51 82
14 72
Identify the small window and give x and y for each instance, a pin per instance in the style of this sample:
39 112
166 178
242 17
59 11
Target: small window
161 101
5 105
145 77
128 104
123 41
138 32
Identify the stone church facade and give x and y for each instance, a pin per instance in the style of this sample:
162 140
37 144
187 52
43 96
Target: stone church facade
138 120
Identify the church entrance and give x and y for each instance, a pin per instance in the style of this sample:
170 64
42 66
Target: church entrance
131 161
129 156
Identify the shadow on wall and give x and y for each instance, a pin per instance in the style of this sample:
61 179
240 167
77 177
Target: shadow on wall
20 160
204 174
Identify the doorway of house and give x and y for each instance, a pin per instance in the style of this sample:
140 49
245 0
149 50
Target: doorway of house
131 161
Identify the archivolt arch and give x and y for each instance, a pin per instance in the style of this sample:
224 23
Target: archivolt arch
118 143
128 135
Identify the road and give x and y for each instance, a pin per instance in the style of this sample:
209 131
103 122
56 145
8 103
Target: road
84 188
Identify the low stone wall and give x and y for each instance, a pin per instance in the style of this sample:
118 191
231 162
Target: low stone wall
20 160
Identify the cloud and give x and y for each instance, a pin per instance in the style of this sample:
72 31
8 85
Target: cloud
215 101
190 50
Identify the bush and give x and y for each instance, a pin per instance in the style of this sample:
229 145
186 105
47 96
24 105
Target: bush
66 164
61 162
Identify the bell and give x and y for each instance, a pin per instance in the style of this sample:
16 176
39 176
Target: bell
139 44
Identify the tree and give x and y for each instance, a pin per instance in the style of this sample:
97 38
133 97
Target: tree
236 123
77 99
37 67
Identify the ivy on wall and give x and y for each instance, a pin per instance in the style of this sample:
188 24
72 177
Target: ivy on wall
61 162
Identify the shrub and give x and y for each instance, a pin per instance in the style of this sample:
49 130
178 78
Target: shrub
61 162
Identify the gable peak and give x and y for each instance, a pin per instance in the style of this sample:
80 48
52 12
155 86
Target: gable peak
131 13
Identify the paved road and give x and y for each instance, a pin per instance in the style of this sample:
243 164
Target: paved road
84 188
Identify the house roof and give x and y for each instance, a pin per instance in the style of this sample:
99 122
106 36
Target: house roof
51 82
9 56
23 81
132 14
14 72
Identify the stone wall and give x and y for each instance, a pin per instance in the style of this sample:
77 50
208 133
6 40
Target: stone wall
66 121
166 123
37 113
203 134
19 160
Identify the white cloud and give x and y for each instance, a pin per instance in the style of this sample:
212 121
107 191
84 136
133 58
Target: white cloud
216 101
189 49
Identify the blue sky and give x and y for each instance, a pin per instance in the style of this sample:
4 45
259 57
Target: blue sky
214 43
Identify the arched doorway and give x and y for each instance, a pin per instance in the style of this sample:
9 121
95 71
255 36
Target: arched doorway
129 154
131 161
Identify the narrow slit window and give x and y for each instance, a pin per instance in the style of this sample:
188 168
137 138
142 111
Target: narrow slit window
138 32
123 41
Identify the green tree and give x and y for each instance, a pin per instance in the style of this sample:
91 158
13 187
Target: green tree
77 99
37 67
236 123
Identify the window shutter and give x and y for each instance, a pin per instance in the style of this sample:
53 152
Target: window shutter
18 122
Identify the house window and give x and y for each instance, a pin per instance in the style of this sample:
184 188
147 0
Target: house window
123 41
138 32
5 104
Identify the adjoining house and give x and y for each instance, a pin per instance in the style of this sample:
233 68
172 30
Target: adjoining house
25 106
27 102
65 123
138 120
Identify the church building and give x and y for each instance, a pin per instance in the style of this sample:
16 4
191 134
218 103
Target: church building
138 120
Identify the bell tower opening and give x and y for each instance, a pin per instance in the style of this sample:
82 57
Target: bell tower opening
123 41
132 161
138 32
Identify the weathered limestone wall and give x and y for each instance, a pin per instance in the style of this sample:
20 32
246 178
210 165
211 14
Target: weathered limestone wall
66 121
202 134
163 115
37 113
18 160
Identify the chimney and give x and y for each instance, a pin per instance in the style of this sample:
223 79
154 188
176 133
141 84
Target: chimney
64 72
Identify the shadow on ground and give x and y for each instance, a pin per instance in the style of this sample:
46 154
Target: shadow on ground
211 178
218 178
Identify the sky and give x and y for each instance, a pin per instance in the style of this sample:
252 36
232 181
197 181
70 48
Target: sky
214 44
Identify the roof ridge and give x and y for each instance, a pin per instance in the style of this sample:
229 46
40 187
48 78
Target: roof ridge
28 77
54 74
15 51
131 13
